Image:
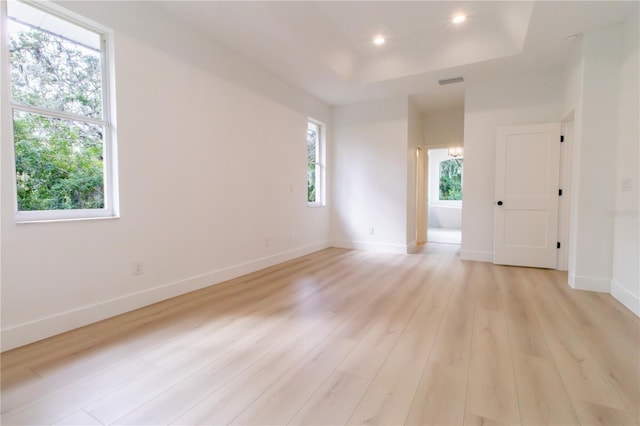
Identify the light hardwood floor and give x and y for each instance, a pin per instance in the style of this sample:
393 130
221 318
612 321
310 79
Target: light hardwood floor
345 337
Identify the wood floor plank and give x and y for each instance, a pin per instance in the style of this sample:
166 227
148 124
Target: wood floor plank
441 395
164 406
255 339
245 310
223 405
333 402
66 402
453 343
525 335
14 378
492 390
593 414
63 367
387 325
251 286
386 286
51 348
542 397
440 398
471 419
390 394
79 418
79 368
180 397
345 337
603 330
489 292
279 404
582 376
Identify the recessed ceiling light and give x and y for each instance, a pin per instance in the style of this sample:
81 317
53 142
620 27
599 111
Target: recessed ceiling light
459 19
378 40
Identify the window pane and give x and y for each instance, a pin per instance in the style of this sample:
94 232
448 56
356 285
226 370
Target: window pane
52 71
451 180
312 142
59 163
311 183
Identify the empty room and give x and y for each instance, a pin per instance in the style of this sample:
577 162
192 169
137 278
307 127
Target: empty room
319 212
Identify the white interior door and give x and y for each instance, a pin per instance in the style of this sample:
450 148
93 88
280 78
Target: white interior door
526 191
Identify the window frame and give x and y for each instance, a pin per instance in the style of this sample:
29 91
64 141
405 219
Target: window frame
110 179
320 165
449 202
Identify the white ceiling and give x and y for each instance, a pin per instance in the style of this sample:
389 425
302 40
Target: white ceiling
325 47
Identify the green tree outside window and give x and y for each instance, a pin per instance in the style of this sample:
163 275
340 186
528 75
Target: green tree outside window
59 162
451 179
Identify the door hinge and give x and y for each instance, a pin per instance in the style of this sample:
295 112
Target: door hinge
561 138
559 192
558 246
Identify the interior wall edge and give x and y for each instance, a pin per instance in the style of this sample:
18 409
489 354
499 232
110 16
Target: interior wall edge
628 299
580 282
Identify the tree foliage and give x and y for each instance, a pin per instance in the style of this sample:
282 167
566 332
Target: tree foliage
451 179
59 162
312 152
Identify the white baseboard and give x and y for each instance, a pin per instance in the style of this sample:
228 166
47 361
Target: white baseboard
602 285
371 246
22 334
624 296
479 256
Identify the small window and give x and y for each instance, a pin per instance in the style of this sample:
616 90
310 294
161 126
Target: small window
60 111
451 180
315 163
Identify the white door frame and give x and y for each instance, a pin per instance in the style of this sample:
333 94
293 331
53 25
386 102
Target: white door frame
422 205
564 206
426 148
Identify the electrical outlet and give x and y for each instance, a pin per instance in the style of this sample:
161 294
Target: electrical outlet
372 231
138 268
627 185
292 235
267 242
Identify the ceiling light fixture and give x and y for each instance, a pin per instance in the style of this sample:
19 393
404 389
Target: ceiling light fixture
459 19
378 40
455 151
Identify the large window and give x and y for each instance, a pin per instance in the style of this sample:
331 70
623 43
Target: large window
60 111
451 180
315 163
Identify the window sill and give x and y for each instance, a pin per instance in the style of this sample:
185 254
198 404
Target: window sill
314 205
26 221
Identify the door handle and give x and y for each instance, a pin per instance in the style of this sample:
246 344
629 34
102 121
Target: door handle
499 203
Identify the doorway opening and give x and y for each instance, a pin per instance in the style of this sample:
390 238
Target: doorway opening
445 195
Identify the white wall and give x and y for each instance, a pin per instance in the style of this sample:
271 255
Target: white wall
625 285
370 175
208 148
489 104
444 127
590 266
